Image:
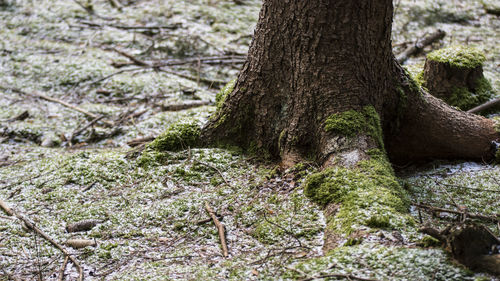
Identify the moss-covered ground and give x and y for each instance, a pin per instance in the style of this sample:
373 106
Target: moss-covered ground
153 225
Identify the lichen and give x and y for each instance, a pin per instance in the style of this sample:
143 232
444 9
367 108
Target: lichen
177 137
458 56
369 195
221 96
372 261
466 99
351 123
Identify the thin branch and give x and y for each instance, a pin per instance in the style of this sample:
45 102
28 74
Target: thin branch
77 132
213 168
338 275
493 218
220 229
33 227
209 82
63 268
47 98
420 45
129 27
184 105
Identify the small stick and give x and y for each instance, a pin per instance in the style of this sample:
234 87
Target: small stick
214 168
494 218
63 268
138 141
132 58
345 276
220 229
420 45
76 133
184 105
6 208
131 27
33 227
116 4
209 82
47 98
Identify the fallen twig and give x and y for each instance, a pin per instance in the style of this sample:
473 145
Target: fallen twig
209 82
139 141
132 58
183 105
77 132
116 4
33 227
139 62
220 229
213 168
47 98
129 27
485 106
338 275
6 208
420 45
215 60
63 268
493 218
113 74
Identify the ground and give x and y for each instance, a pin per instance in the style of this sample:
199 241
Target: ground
150 207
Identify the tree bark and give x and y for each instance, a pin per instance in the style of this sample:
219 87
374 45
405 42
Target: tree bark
307 61
311 61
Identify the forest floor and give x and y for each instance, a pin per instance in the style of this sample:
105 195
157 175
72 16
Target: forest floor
125 75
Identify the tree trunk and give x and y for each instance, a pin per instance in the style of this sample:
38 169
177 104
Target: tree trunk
321 83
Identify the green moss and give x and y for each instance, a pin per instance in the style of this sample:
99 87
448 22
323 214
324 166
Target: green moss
351 123
372 261
458 56
221 96
177 137
419 78
369 195
150 157
353 241
465 99
348 123
429 241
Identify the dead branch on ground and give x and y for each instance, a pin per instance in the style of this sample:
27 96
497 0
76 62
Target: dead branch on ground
420 45
183 105
139 141
129 27
492 218
338 275
63 268
213 168
61 102
145 64
37 230
77 132
220 229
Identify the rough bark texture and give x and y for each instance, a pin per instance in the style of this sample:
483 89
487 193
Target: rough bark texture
321 83
311 59
441 78
308 60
